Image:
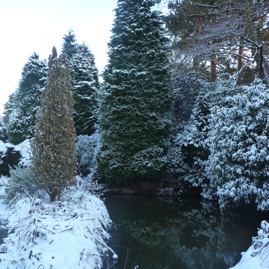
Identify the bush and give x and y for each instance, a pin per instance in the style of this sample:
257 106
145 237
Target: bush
9 157
20 184
188 147
238 165
86 154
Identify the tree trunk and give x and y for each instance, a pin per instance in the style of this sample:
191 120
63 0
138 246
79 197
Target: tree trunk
241 53
53 196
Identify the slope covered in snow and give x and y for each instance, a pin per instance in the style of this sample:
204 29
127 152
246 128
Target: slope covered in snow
70 233
257 256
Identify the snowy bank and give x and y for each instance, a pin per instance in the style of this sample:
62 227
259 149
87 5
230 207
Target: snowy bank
70 233
257 256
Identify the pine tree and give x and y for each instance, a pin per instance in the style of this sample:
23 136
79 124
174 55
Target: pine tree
136 96
85 85
70 47
84 50
53 148
20 111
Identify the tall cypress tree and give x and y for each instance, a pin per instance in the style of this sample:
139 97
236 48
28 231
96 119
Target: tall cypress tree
53 148
136 96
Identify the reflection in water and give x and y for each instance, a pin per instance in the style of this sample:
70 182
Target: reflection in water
171 234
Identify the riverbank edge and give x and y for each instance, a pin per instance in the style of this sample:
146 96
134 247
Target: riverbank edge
163 187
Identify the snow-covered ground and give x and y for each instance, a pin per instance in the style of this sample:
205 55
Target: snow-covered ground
257 256
66 234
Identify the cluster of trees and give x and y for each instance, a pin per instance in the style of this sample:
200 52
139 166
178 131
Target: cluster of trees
20 111
189 100
221 36
219 140
54 102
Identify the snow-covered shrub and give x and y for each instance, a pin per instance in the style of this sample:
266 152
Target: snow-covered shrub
19 185
9 157
238 164
70 233
86 153
190 142
190 111
186 88
186 157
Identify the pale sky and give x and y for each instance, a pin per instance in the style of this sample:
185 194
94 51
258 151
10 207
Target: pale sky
29 26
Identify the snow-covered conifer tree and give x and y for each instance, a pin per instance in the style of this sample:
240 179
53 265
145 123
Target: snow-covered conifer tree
136 96
20 111
53 148
70 46
84 79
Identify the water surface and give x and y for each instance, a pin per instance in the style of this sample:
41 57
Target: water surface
168 233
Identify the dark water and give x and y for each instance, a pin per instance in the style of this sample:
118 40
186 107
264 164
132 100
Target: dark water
167 233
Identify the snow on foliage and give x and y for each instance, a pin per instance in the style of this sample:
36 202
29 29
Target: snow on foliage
23 104
239 151
257 255
190 109
85 86
11 156
86 153
70 233
221 145
136 97
23 148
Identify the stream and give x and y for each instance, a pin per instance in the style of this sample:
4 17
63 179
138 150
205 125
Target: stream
170 233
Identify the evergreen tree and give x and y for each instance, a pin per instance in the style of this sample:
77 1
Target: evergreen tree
70 47
84 50
3 131
20 111
85 85
136 96
53 148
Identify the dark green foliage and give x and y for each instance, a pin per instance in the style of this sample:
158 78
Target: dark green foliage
136 96
70 47
84 50
9 158
190 111
53 148
84 79
20 110
3 132
186 88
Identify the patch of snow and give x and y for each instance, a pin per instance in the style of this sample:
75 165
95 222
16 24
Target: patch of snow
257 256
70 233
25 150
